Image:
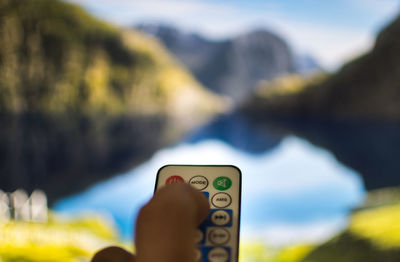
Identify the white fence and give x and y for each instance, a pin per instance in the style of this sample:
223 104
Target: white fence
19 206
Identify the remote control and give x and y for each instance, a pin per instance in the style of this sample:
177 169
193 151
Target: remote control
217 237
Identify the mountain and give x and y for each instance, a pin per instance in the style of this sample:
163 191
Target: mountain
354 113
232 67
306 64
367 88
82 100
56 58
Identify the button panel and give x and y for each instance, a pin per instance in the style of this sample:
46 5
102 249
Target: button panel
217 237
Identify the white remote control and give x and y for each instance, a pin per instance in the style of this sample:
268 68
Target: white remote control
218 236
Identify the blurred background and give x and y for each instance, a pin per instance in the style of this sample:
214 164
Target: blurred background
303 96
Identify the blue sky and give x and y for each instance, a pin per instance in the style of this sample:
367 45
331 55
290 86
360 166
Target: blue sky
332 31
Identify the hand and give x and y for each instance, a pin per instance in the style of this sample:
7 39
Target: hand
165 228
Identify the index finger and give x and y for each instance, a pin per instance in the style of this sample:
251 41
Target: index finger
166 226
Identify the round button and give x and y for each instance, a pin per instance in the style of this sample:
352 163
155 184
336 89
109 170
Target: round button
221 200
220 218
174 179
218 254
222 183
199 236
198 255
219 236
199 182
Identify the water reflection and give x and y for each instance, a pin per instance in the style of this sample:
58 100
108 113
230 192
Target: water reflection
65 153
238 131
371 148
294 192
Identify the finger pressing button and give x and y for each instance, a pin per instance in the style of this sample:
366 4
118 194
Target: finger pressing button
198 255
199 236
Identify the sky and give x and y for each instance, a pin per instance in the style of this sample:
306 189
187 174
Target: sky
331 31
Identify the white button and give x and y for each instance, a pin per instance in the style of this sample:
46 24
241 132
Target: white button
221 200
218 254
220 218
199 236
198 182
199 255
218 236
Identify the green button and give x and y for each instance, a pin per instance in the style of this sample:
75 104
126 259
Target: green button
222 183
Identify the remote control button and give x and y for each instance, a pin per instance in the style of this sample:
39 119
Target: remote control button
199 182
222 183
221 200
199 255
174 179
218 254
220 218
219 236
199 236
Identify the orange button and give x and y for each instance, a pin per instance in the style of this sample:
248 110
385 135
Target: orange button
174 179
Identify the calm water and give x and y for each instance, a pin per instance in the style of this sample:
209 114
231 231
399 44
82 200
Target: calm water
292 191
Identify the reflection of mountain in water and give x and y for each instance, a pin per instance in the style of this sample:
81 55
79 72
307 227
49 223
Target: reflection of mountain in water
238 131
369 148
63 155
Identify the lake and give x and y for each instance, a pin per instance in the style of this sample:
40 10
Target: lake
293 191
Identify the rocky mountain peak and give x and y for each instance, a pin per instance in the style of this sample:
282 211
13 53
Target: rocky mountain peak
231 67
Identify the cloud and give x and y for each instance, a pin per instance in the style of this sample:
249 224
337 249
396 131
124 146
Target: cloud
332 46
379 7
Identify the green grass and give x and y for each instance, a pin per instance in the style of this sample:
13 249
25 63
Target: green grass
67 240
373 236
381 226
258 252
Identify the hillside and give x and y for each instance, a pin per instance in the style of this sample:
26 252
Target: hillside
56 58
234 66
81 100
373 234
367 88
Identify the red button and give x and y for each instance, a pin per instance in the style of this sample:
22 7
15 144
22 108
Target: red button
174 179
